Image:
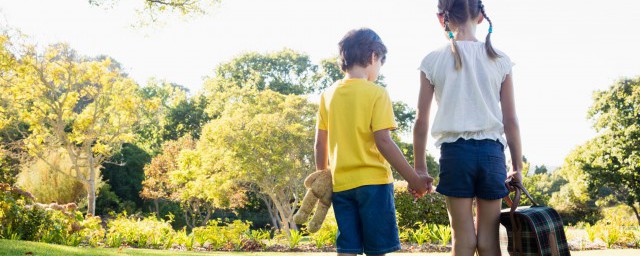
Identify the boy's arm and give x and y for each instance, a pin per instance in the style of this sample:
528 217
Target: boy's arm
390 151
421 127
321 149
511 127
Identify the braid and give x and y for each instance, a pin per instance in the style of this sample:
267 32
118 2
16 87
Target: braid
454 45
490 51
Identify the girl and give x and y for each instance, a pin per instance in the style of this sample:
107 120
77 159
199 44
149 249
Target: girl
474 90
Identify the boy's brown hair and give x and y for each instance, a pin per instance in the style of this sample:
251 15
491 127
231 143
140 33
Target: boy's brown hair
357 46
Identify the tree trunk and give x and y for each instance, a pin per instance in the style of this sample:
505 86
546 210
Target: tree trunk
91 198
91 208
273 214
155 203
635 210
281 212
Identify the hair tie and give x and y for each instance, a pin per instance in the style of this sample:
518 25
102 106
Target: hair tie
450 34
490 29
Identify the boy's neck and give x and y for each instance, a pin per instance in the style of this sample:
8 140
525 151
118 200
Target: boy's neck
357 72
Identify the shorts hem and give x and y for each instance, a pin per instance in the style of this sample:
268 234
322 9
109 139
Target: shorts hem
384 251
493 196
453 194
350 251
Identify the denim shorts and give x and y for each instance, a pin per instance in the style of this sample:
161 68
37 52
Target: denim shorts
473 168
366 219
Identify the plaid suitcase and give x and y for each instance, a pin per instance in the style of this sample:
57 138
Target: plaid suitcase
533 231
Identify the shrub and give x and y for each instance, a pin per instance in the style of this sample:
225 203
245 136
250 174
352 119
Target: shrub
295 237
429 209
327 234
21 218
218 235
420 235
149 232
441 233
610 235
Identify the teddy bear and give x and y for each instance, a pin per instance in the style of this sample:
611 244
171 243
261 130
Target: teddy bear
319 189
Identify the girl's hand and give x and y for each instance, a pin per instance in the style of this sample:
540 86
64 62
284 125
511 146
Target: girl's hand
425 186
514 175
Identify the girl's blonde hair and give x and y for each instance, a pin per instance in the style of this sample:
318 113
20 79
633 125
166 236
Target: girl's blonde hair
458 12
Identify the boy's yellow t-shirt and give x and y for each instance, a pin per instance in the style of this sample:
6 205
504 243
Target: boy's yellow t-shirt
350 111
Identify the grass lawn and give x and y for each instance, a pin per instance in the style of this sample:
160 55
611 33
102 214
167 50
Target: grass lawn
10 247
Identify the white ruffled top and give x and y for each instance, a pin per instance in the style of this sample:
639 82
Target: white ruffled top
468 99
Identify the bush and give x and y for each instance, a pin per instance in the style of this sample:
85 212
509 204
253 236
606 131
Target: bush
149 232
429 209
217 236
21 218
327 234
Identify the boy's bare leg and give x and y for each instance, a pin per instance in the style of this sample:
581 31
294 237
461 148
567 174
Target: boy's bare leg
346 254
463 228
488 225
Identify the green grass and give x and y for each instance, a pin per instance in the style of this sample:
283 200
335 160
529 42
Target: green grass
11 247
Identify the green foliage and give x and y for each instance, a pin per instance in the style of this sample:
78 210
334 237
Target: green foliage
86 107
92 232
441 233
405 116
295 237
328 232
149 232
573 201
420 234
227 153
218 236
48 179
286 72
592 231
429 209
610 235
21 219
612 159
125 173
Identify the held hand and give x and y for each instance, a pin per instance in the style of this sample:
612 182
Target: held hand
515 175
424 185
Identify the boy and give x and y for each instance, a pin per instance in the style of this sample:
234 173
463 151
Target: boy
353 124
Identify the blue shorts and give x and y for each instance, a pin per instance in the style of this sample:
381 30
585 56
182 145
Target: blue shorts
366 219
473 168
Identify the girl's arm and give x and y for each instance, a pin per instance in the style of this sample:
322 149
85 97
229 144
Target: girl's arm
421 127
321 150
511 127
419 183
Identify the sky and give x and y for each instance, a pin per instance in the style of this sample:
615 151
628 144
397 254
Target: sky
563 50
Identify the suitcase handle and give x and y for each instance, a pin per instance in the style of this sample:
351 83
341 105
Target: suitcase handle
515 228
515 202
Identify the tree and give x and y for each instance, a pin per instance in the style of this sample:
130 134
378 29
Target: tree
152 10
125 180
573 200
85 107
613 158
264 139
541 169
286 72
157 185
177 175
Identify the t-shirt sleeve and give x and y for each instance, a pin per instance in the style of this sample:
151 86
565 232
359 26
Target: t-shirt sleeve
382 117
321 117
504 65
426 66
